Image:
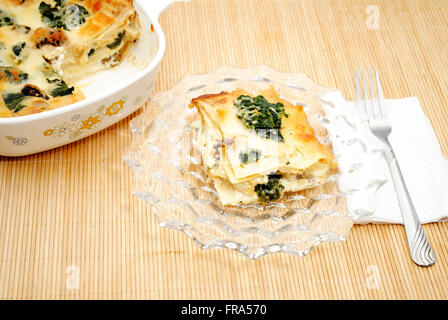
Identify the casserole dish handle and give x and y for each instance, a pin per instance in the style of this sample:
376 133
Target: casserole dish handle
154 8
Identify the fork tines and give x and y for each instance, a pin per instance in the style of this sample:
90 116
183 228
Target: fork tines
373 107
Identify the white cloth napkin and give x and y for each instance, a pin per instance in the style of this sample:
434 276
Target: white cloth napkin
365 174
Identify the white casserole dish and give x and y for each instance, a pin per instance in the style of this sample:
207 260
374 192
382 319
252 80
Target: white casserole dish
111 95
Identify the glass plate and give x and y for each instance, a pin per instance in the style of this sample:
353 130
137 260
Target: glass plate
168 175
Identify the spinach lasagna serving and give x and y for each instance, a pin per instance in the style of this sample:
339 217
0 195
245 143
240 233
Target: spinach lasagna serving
256 148
46 46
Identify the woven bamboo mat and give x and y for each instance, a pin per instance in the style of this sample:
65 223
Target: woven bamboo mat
68 214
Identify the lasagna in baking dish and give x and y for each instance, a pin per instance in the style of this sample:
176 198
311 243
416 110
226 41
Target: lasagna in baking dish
255 148
46 46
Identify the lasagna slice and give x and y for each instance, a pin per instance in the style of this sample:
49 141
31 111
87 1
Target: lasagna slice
256 148
46 46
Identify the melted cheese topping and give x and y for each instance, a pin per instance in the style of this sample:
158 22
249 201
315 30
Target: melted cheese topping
51 44
301 160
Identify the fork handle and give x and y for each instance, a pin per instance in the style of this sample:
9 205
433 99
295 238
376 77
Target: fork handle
421 251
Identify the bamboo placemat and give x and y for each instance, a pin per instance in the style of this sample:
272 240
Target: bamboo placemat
69 212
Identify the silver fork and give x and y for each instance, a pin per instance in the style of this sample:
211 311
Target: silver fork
420 249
